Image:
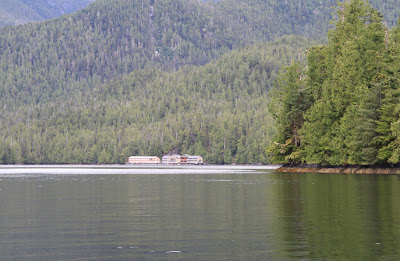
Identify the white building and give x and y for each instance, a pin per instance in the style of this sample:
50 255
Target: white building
176 159
173 159
195 160
144 160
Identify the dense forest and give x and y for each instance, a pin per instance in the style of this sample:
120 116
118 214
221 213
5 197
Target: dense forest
13 12
343 108
217 110
130 77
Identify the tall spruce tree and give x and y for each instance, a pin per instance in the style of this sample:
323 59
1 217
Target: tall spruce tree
344 116
389 78
290 100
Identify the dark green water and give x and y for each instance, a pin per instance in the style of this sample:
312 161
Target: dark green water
197 215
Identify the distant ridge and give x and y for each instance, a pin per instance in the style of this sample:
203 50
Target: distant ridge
14 12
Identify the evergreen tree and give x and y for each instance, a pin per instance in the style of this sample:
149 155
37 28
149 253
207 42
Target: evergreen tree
333 129
290 100
354 90
389 79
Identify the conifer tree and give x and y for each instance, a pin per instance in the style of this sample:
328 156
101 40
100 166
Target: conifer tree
333 131
389 79
289 101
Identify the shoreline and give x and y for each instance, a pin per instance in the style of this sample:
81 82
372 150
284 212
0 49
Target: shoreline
135 166
348 169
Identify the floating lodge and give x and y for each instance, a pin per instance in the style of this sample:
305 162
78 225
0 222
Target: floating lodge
174 159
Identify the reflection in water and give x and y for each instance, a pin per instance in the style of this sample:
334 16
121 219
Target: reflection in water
263 216
341 217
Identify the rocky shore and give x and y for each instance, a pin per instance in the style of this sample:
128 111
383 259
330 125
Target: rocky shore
349 169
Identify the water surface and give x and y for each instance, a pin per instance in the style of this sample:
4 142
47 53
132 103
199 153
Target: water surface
195 213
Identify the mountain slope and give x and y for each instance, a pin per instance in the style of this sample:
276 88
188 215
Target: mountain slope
111 38
64 81
217 110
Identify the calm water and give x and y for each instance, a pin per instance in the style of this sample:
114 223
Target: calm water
203 213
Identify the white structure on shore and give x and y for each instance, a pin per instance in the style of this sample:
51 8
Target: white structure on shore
176 159
173 159
144 160
196 160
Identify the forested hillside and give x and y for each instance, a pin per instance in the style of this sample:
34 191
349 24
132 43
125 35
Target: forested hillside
130 77
344 108
304 17
69 62
111 38
217 110
13 12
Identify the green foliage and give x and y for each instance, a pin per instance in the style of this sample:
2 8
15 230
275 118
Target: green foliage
288 104
130 77
66 97
353 82
271 18
217 111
